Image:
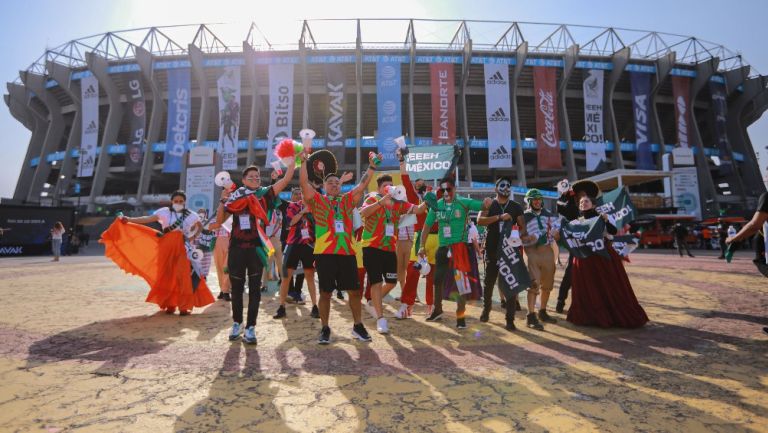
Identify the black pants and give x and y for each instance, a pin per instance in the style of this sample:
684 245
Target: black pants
242 262
295 285
681 243
491 279
565 284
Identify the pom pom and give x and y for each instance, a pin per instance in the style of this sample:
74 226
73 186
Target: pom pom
285 149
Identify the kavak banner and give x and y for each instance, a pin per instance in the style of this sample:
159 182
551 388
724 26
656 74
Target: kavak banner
228 86
179 112
547 131
593 119
720 109
681 91
388 107
443 103
641 90
89 137
497 115
584 237
280 106
337 104
137 117
513 274
428 162
618 206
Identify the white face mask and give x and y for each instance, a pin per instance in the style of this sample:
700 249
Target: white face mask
178 207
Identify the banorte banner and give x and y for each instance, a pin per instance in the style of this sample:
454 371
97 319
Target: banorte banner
547 131
89 137
681 91
443 103
720 108
641 88
136 112
388 108
335 84
179 116
280 106
497 115
593 119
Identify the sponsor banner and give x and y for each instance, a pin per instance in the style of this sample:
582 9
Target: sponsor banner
199 188
280 106
428 162
89 136
593 119
720 109
228 86
584 238
513 274
137 117
443 103
497 115
618 206
681 90
685 191
335 85
547 132
641 90
388 106
179 112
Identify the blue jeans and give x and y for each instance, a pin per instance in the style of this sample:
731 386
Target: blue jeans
56 246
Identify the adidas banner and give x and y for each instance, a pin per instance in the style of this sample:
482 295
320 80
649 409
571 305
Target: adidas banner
137 121
228 86
89 137
593 120
335 86
547 131
584 238
513 274
429 162
618 206
179 114
280 106
497 115
443 103
641 89
681 91
720 108
388 107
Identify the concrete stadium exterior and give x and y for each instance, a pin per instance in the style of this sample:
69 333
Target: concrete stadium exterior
46 99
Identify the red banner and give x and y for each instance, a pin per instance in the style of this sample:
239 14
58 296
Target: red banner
681 90
443 103
547 132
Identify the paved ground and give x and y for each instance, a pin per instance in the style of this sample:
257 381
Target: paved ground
81 351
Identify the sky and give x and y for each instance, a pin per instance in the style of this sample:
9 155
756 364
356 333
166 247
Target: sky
29 28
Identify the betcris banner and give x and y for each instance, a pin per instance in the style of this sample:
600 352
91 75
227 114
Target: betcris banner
388 106
179 110
641 89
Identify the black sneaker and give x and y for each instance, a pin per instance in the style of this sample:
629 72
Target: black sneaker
503 304
221 295
280 312
340 295
560 307
359 332
533 323
518 307
544 317
511 325
461 323
485 315
315 312
435 316
263 289
227 297
325 335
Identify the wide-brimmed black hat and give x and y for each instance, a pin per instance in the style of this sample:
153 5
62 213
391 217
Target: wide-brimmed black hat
588 187
320 164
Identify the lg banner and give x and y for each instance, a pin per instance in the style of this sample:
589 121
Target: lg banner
337 104
280 106
593 119
720 108
641 89
388 105
547 132
179 106
228 86
137 121
497 116
443 103
89 137
681 90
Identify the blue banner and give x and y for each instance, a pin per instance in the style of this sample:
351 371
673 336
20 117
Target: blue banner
179 112
388 106
641 89
720 108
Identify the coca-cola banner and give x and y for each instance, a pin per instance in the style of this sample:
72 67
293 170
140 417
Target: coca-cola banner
547 132
335 84
497 115
228 86
641 88
135 110
593 119
681 91
443 103
720 109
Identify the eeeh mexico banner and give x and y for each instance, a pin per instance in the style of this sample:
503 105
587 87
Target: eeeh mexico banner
136 112
335 85
388 108
584 238
179 106
720 108
280 106
547 132
89 137
443 103
513 274
593 119
228 87
681 90
428 162
641 89
497 115
618 206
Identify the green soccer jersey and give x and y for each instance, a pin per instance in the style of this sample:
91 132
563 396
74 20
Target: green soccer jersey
452 219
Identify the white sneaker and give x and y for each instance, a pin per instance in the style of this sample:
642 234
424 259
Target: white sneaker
404 312
382 326
371 310
430 309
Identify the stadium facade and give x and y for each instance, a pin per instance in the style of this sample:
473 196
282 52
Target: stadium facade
535 102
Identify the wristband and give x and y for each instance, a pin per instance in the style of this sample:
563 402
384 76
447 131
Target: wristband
371 167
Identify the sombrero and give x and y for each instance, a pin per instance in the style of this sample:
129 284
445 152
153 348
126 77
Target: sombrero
320 164
588 187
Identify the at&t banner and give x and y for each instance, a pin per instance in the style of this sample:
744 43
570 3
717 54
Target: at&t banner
388 106
228 86
179 111
497 115
547 131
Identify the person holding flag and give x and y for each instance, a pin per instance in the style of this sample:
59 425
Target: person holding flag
543 227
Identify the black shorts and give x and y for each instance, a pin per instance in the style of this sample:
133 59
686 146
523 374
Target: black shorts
336 272
295 253
380 265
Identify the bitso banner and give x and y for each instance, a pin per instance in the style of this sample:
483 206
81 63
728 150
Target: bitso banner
443 103
593 119
337 104
136 113
89 137
681 91
179 112
497 114
388 107
720 107
547 131
280 106
641 89
228 86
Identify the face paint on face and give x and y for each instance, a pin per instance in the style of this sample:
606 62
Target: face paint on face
503 188
252 179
